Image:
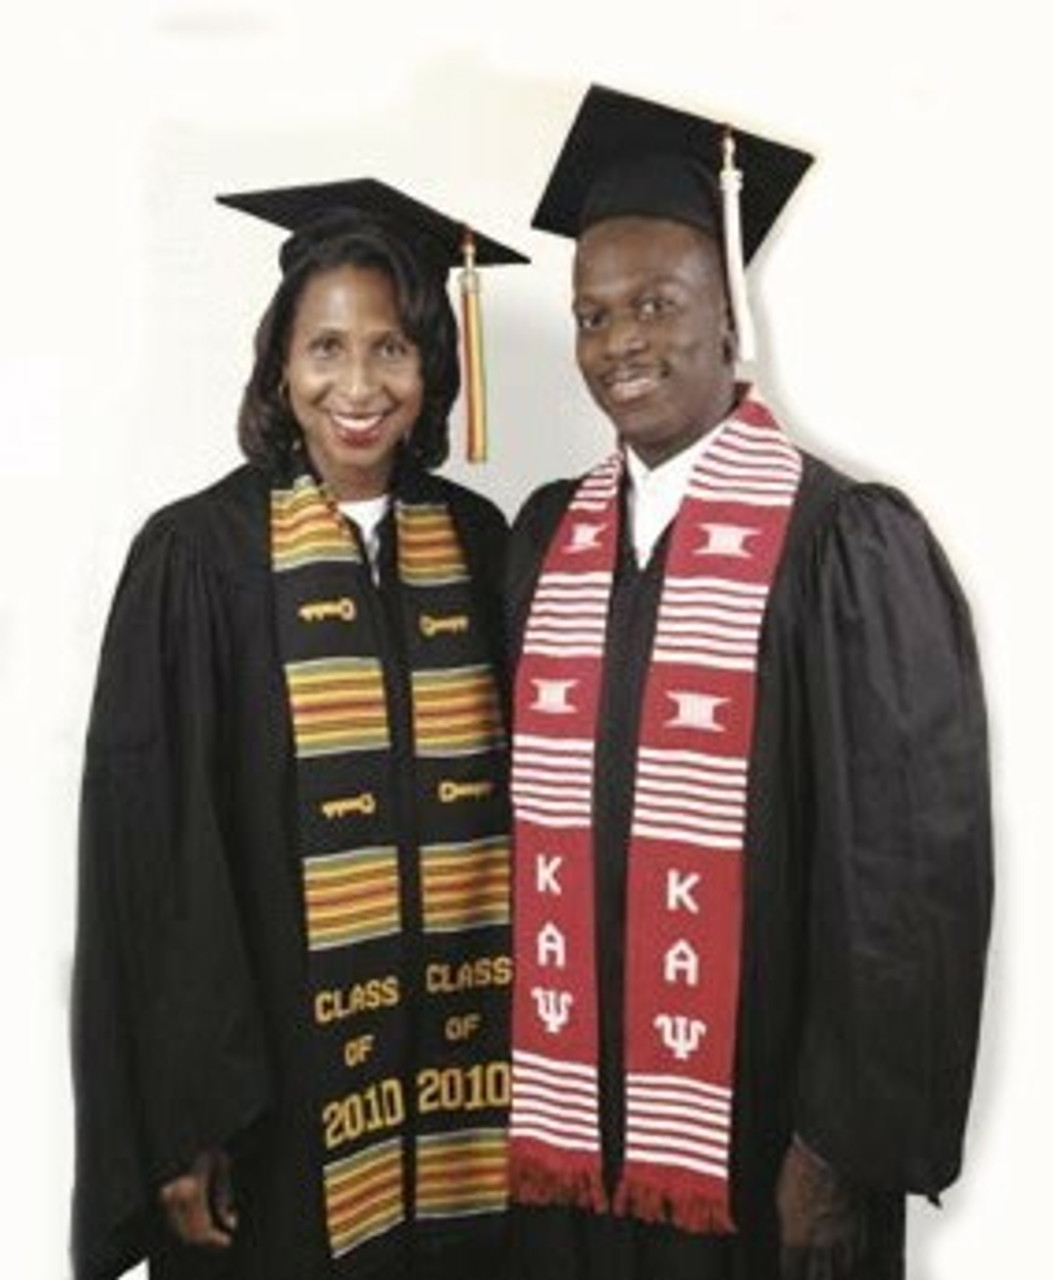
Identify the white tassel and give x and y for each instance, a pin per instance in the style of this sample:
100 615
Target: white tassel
731 183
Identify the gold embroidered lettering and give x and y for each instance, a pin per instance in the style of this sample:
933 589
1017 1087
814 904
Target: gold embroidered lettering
462 1026
475 1088
357 1050
337 1003
485 971
381 1106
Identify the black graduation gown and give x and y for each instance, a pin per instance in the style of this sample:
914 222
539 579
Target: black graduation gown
868 882
189 1020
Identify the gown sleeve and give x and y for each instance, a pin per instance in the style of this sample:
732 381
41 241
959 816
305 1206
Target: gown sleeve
900 874
167 1046
529 539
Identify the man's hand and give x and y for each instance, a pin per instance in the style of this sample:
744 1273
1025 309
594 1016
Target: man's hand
198 1205
817 1211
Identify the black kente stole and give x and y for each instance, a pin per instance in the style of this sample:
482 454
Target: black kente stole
400 765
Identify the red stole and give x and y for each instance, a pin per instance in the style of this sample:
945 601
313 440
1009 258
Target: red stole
685 860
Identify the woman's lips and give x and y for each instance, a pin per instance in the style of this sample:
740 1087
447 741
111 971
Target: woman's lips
358 428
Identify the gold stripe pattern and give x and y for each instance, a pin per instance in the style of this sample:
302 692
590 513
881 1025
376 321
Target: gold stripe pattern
429 552
364 1196
462 1174
305 532
351 897
457 712
465 886
338 705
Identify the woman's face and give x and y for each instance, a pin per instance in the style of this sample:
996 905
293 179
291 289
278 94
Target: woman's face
354 378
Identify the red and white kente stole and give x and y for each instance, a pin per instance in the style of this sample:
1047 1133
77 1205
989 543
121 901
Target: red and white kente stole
686 851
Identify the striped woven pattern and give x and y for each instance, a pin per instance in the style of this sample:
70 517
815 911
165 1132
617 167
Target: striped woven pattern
711 622
304 531
364 1196
749 464
461 1174
692 797
429 554
351 897
456 712
552 780
674 1120
465 886
569 614
338 705
556 1102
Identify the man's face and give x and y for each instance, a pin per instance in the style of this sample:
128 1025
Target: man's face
654 338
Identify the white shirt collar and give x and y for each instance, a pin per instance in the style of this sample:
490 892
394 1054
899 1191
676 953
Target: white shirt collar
655 493
366 514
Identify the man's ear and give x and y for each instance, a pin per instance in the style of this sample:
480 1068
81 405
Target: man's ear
729 345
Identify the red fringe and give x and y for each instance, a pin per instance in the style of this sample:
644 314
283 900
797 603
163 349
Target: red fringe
536 1181
645 1197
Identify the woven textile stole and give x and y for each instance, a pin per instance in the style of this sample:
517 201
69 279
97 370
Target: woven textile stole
685 860
408 964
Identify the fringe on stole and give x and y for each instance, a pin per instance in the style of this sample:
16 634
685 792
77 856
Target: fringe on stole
655 1199
539 1182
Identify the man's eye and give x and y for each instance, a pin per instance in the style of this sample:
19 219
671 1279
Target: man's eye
587 321
649 308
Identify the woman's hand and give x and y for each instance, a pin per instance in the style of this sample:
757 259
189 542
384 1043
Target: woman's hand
199 1205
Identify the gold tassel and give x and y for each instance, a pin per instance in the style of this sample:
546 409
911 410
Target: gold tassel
472 355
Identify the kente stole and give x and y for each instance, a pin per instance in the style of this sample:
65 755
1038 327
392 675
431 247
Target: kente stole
686 847
403 832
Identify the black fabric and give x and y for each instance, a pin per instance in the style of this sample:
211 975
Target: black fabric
868 885
625 155
323 210
189 988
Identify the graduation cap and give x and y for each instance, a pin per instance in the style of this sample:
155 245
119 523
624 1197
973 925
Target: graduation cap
321 211
626 156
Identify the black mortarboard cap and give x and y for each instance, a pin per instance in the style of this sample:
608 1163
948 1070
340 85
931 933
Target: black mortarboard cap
630 156
320 211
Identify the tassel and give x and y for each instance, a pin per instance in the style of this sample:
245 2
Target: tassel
472 355
731 183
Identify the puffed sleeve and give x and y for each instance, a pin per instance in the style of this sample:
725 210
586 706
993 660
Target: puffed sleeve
167 1048
900 875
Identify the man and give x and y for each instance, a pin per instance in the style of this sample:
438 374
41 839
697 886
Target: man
752 831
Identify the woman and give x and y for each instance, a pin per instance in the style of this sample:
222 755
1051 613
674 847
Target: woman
290 1040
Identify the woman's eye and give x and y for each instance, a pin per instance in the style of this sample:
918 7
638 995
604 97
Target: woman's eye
325 344
394 347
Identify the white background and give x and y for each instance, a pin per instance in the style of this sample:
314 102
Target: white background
903 310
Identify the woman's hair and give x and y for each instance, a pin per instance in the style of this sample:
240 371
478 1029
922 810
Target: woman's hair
267 429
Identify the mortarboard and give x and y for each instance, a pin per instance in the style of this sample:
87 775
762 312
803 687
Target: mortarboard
321 211
626 156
